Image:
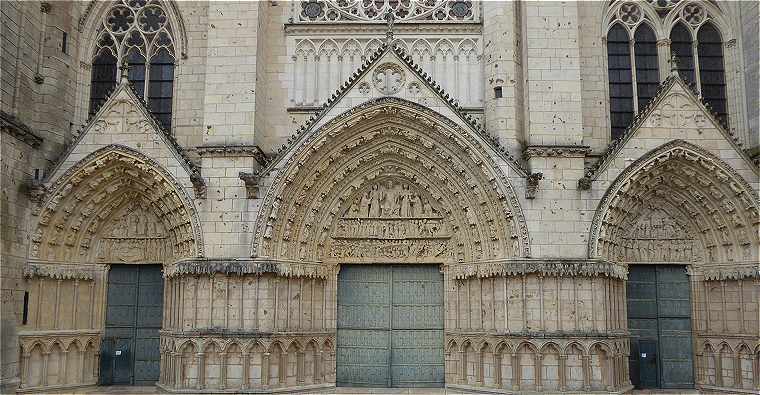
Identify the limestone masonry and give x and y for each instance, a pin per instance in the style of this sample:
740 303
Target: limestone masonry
279 196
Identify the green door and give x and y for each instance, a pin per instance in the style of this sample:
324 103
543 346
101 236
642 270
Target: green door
390 326
130 352
659 318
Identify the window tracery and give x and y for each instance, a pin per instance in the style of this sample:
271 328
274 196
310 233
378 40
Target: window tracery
138 34
307 11
688 28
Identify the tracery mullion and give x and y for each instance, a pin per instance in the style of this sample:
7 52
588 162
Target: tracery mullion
634 85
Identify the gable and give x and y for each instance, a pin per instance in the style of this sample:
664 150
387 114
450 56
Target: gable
125 121
391 73
674 114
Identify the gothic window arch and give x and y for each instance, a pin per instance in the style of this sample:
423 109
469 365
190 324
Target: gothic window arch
136 34
657 30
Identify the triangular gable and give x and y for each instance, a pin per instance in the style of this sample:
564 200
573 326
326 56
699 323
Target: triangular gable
676 112
391 72
125 120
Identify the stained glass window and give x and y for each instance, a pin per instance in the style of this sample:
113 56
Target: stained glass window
712 74
621 87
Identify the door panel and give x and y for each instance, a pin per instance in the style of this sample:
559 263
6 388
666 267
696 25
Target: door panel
130 351
390 326
659 318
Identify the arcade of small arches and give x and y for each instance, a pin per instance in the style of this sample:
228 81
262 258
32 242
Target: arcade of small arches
59 361
722 365
526 364
246 364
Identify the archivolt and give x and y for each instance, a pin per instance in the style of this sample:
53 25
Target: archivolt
695 189
390 141
88 197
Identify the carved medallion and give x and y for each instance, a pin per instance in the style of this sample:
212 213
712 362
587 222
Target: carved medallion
389 78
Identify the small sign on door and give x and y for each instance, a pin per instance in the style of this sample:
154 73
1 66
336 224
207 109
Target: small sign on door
643 355
118 352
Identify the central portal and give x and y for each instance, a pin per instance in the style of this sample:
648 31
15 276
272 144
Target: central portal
390 326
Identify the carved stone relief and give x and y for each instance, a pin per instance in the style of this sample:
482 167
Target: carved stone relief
365 186
389 78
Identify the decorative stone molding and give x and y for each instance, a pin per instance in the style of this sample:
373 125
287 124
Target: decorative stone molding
531 184
199 185
60 271
544 267
732 272
355 143
714 206
213 150
81 214
651 115
584 184
251 181
252 266
37 191
564 151
45 7
13 126
332 11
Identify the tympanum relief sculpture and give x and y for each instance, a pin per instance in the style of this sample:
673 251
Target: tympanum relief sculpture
134 235
391 219
657 237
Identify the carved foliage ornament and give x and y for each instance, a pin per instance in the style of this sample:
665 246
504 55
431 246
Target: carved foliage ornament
375 11
116 206
386 181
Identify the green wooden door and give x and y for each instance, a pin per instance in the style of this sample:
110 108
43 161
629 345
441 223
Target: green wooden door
659 318
130 352
390 326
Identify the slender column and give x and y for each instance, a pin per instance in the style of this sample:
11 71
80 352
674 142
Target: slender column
317 363
718 368
201 370
539 361
516 372
497 369
24 374
738 371
479 369
663 58
57 304
723 302
265 369
563 373
178 367
586 373
63 367
300 371
45 357
246 370
463 359
223 359
612 372
322 364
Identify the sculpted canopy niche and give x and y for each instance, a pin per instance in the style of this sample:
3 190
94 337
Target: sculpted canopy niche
680 204
115 206
390 181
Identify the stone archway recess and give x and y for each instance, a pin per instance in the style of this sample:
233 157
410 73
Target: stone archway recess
95 207
704 200
390 181
681 205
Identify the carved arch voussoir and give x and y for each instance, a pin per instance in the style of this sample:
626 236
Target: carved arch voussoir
352 185
715 207
78 222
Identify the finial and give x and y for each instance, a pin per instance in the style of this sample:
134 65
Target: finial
390 20
124 72
673 65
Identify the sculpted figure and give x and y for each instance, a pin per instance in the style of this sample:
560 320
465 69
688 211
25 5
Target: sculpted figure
404 204
375 198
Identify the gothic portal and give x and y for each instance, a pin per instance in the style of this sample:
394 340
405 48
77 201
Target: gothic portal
292 196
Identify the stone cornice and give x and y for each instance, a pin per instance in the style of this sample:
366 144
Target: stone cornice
379 29
551 267
13 126
564 151
60 271
216 150
730 272
238 266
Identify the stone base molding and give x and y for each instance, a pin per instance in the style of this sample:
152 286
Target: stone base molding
262 363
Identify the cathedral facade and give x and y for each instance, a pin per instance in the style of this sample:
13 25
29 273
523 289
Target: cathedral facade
284 196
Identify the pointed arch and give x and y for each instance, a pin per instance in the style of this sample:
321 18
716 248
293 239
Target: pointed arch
112 195
459 201
697 197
